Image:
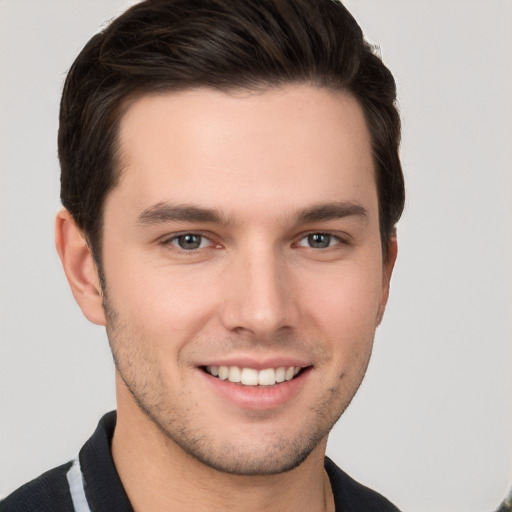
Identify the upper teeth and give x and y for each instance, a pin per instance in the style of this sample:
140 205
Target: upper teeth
252 377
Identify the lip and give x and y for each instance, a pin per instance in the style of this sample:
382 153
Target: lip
258 364
256 397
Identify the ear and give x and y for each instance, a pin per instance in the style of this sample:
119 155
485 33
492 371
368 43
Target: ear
79 267
387 270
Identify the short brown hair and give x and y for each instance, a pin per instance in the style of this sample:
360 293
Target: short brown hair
171 45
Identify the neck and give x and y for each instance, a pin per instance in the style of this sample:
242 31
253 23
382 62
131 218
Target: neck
158 475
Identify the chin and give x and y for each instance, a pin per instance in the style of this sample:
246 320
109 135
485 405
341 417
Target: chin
262 459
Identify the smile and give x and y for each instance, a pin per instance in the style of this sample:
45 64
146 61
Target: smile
253 377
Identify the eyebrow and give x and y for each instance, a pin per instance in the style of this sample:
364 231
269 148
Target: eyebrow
160 213
332 211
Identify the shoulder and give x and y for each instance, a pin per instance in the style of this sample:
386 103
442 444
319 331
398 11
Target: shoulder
351 496
48 492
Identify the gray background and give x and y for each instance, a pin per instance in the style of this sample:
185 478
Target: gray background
431 426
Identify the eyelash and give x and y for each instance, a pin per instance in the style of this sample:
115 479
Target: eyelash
332 237
175 238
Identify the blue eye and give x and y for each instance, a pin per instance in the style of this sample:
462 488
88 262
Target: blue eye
189 241
318 241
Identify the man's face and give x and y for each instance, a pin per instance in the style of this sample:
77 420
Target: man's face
243 240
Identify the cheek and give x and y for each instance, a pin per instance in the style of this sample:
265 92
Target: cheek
346 306
161 302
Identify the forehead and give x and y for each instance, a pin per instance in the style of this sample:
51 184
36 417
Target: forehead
287 147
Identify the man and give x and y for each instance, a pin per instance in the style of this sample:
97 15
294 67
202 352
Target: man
231 184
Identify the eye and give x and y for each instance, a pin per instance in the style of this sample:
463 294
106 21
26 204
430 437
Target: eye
189 241
318 241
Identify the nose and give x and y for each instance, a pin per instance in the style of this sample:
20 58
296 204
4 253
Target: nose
260 296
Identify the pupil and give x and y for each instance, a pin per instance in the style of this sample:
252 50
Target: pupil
189 241
319 240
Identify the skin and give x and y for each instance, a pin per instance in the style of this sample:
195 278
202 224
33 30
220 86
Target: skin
258 289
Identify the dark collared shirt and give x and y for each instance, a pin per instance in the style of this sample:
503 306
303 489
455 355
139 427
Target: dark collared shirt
90 483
